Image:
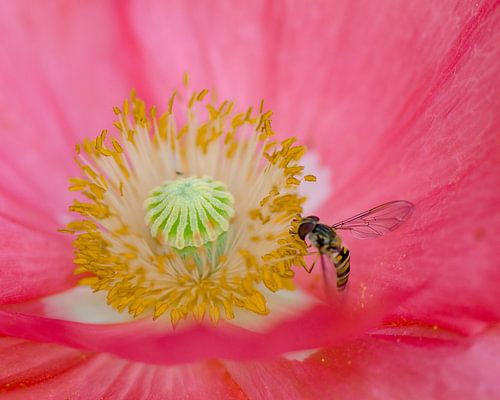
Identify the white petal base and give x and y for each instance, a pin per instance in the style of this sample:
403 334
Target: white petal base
81 304
316 192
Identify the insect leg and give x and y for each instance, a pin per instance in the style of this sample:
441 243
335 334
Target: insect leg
313 264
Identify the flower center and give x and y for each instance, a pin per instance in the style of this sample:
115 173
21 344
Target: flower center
189 212
188 220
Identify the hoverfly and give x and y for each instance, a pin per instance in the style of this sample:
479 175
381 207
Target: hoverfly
370 224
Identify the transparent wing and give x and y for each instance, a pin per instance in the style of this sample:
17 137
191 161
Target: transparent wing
329 274
377 221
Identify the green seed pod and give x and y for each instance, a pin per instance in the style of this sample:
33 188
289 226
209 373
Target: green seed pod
189 212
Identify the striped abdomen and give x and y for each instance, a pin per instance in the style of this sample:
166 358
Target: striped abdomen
342 266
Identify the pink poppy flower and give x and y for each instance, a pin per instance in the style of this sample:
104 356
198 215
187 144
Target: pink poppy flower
392 100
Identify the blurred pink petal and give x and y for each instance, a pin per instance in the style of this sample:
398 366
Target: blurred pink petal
438 149
400 100
381 368
27 363
60 78
41 371
32 263
152 342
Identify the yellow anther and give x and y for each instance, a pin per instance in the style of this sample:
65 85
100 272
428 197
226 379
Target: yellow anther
152 113
192 100
202 94
160 309
175 316
185 79
189 265
248 114
267 115
292 181
214 314
126 107
261 106
116 145
171 103
223 106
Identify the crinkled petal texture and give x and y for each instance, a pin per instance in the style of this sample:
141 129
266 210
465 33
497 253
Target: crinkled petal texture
397 365
399 100
45 371
33 263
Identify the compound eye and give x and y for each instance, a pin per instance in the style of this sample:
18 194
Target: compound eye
312 217
304 229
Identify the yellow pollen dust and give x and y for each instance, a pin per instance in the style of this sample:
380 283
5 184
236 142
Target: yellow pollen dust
126 237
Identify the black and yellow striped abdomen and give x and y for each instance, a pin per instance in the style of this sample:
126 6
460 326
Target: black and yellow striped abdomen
343 267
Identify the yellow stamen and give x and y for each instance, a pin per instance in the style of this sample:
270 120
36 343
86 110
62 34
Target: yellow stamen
218 263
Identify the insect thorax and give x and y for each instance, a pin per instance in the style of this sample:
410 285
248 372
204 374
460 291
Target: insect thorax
325 239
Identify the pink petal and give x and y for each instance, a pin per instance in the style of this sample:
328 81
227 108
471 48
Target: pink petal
374 86
381 368
62 67
29 363
152 342
438 148
32 263
223 48
398 99
391 365
41 371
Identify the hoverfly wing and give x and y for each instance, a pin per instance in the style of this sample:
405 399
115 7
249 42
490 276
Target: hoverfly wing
329 274
378 220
